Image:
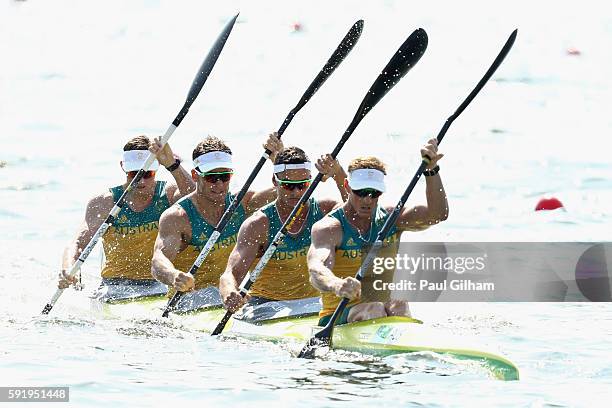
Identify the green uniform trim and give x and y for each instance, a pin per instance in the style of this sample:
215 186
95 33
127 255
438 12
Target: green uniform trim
201 229
130 218
289 242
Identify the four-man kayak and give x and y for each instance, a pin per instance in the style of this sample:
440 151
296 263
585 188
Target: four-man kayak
280 322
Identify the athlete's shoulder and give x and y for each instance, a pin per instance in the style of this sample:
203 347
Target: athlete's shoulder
175 213
266 208
327 232
184 202
256 222
98 208
101 201
327 205
327 224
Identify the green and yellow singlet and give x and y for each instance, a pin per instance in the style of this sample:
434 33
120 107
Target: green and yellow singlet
286 276
216 261
349 257
128 243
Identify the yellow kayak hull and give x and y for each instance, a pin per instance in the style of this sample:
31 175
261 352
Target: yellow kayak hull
380 337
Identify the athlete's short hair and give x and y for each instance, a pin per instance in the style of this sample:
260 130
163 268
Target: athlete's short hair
140 142
367 162
210 144
291 155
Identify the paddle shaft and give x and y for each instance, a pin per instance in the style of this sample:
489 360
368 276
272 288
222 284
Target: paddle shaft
402 61
196 87
343 49
325 335
251 277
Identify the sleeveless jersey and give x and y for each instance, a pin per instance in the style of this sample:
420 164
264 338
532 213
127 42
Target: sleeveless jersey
286 276
209 273
349 257
128 243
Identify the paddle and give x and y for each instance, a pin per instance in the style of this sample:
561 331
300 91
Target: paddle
347 44
196 86
402 61
324 337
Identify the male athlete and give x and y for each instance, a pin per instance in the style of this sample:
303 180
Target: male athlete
338 240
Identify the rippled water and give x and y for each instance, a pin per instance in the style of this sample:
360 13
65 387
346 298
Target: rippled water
79 79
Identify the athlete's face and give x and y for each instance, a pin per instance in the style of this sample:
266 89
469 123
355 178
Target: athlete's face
363 201
213 184
291 185
147 182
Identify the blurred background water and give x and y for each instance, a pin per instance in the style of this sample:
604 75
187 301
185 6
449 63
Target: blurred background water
80 78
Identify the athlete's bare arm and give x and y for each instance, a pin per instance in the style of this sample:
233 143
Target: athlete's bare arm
424 216
326 236
328 204
252 238
97 210
253 201
331 168
174 234
421 217
183 183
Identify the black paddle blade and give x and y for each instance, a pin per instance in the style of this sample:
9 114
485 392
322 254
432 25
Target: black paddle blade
404 59
345 47
321 339
205 69
496 63
498 60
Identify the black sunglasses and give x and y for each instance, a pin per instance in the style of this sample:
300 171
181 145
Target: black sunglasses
368 192
291 185
213 177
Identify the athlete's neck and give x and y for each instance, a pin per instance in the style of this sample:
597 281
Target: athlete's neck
360 222
138 199
211 210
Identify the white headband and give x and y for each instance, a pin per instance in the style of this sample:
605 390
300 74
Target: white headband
279 168
134 159
213 160
367 178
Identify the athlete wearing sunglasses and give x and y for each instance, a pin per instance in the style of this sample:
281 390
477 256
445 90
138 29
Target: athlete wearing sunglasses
128 243
214 176
185 228
291 185
367 192
285 276
338 240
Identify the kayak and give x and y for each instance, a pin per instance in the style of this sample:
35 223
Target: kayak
379 337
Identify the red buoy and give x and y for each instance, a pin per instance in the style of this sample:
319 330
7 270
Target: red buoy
296 26
548 204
